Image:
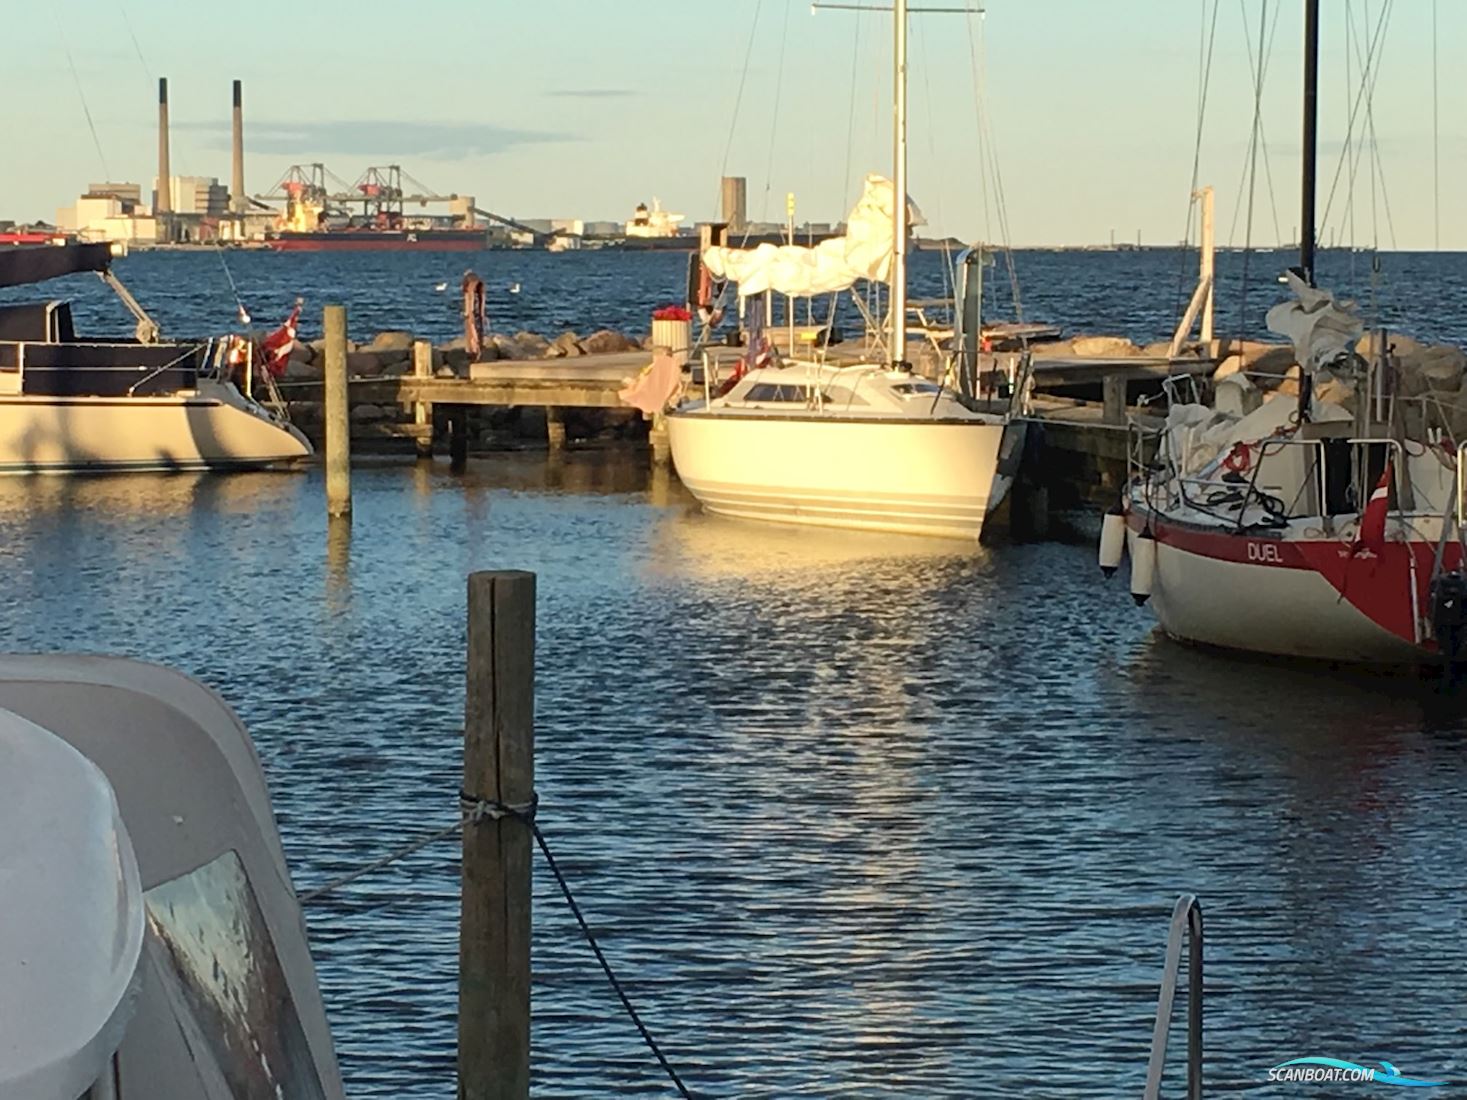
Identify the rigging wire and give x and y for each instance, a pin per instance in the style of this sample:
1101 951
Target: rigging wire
784 39
81 93
851 122
925 68
1258 73
1252 173
1436 142
988 149
1206 39
739 95
127 22
1365 88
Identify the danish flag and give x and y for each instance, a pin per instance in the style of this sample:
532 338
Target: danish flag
1372 521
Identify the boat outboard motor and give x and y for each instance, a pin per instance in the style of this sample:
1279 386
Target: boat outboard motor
1449 613
1143 566
1112 540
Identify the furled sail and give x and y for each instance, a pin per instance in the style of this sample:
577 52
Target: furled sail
1320 328
863 253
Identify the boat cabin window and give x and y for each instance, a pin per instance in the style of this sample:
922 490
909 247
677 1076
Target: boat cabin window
916 389
843 396
776 392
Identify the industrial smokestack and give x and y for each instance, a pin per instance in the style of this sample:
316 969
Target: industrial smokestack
163 204
238 202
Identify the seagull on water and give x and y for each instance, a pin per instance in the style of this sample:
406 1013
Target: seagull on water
514 288
440 287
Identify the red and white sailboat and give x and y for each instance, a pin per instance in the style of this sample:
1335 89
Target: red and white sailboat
1301 529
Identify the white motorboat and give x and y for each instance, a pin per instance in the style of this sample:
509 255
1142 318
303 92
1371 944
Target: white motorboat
865 445
76 405
151 945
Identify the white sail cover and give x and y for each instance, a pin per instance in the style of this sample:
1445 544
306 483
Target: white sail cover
1320 328
865 252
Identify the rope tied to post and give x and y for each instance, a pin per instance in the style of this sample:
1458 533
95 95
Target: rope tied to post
476 809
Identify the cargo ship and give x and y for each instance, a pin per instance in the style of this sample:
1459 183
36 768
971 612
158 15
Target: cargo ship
378 240
317 221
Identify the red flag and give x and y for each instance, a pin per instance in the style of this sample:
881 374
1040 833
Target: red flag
275 349
1372 521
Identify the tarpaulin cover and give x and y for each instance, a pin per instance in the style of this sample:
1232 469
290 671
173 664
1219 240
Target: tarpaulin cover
865 252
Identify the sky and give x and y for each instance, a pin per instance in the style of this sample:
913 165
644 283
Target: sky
583 108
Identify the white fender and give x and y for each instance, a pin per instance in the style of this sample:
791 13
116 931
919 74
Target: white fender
1112 541
1143 566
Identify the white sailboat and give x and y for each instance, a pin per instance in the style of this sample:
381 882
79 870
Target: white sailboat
864 445
72 405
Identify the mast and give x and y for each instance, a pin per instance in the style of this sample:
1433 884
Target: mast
899 188
1311 125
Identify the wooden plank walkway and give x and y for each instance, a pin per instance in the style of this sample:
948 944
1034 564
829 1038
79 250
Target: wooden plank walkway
584 382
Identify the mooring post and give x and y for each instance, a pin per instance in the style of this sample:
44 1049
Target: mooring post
422 411
555 427
657 437
1113 391
499 767
338 416
458 438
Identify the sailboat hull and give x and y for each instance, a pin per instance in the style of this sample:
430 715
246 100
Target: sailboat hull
917 477
1291 597
208 428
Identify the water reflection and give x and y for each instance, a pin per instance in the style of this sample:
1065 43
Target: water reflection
858 815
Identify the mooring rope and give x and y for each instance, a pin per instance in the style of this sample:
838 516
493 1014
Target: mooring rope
473 810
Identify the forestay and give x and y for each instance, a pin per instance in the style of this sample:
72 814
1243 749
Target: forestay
863 253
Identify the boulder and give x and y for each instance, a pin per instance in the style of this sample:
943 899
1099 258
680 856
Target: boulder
606 341
1397 343
445 372
1335 391
392 340
1163 350
1228 367
1104 347
302 352
368 414
363 364
396 369
1437 369
1289 386
297 370
531 345
565 345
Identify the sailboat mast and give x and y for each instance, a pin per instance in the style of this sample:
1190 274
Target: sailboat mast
1311 128
899 188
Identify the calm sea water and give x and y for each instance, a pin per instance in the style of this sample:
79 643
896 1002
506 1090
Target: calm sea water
852 815
1135 294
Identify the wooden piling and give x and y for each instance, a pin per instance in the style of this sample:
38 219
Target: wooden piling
555 427
499 765
657 437
422 411
338 415
1113 391
458 438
